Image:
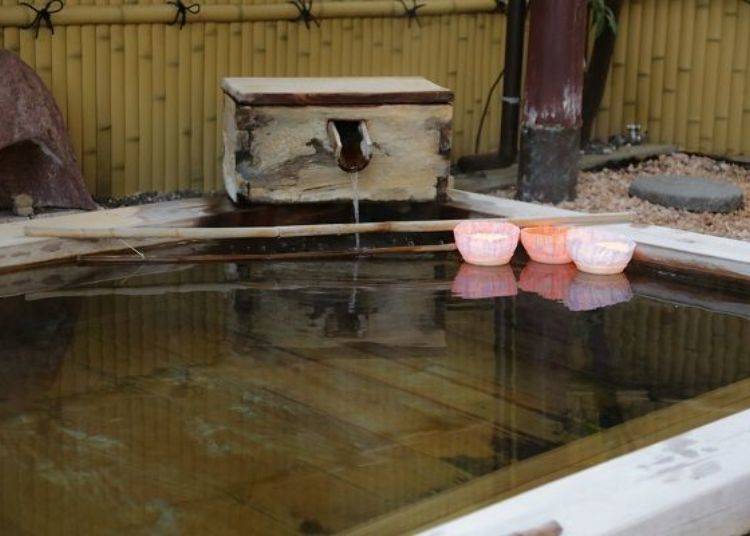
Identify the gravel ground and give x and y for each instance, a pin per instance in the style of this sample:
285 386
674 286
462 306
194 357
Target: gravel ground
607 191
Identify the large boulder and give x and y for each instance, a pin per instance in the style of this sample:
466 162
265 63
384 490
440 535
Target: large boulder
36 156
695 194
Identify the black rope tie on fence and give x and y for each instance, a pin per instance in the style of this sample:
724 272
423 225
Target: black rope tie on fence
501 6
411 12
43 15
182 12
305 12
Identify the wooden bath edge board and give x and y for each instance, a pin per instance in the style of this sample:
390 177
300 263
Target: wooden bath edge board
661 246
680 470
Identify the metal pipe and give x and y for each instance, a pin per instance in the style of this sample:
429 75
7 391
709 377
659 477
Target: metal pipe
550 132
511 97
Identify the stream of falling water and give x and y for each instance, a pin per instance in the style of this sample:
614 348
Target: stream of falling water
355 204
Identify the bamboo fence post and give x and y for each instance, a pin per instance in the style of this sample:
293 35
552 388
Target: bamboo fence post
739 72
669 89
617 75
197 51
724 78
171 131
740 117
710 77
130 88
145 108
696 75
210 92
158 107
685 65
646 42
184 124
88 105
117 44
631 62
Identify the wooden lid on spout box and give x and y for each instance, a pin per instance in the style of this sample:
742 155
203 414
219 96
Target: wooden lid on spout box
335 91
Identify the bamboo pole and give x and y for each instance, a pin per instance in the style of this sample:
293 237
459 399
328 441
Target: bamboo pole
646 44
158 110
88 103
711 75
212 233
699 42
727 51
162 14
669 88
739 82
171 129
246 257
132 118
197 52
617 75
210 92
145 108
685 64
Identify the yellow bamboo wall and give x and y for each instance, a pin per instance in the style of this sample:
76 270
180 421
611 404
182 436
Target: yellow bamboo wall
681 68
143 107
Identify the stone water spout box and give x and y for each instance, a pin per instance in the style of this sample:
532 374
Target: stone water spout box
291 140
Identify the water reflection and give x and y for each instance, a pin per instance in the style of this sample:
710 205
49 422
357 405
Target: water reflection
477 282
588 292
550 281
310 397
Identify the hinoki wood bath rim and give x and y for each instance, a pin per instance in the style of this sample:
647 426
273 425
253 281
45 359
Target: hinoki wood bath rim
302 140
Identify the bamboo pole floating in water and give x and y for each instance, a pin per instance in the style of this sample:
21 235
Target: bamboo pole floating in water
216 233
244 257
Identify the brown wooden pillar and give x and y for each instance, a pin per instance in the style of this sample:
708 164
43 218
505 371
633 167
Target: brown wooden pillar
551 125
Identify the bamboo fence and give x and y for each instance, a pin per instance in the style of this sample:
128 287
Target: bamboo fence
142 102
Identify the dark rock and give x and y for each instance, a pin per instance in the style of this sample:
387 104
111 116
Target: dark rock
36 156
689 193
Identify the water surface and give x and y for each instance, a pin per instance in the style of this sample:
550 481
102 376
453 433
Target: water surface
317 396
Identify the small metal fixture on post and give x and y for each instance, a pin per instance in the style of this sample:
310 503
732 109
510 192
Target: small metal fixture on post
551 126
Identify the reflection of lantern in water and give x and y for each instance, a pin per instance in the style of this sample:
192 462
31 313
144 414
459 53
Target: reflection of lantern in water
599 252
588 292
549 281
546 244
486 243
476 282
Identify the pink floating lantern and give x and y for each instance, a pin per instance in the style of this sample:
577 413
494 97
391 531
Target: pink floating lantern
477 282
599 252
588 292
486 243
551 282
546 244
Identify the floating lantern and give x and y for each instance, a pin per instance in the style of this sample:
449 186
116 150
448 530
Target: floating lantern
549 281
476 282
599 252
546 244
588 292
486 243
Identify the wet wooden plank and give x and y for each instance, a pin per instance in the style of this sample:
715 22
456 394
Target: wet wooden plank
335 91
575 456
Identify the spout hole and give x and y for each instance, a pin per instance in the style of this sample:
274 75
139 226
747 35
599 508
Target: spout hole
351 144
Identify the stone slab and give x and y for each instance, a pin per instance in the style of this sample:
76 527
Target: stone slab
696 194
